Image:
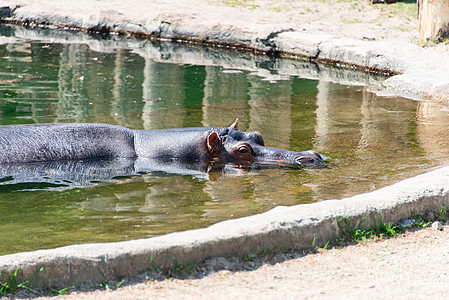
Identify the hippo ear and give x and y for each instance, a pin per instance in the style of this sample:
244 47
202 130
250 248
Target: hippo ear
235 124
214 145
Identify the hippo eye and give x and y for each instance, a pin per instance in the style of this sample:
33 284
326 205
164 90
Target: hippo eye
243 150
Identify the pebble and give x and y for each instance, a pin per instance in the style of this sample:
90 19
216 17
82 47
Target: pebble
215 264
437 225
407 223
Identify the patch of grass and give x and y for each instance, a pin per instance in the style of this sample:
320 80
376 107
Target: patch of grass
389 229
111 285
420 221
181 268
430 42
11 285
351 21
351 232
282 8
265 254
404 28
151 268
61 292
408 10
315 247
444 215
241 3
358 235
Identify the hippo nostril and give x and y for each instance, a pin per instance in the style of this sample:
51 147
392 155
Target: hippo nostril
317 158
304 159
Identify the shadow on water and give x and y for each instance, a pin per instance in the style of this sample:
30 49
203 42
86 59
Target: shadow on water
372 140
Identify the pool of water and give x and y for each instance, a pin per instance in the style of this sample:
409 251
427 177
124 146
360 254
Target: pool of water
371 140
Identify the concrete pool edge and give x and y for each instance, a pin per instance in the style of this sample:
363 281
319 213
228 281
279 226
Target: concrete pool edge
281 228
418 72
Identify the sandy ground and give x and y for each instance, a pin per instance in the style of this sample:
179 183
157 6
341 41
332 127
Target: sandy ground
414 265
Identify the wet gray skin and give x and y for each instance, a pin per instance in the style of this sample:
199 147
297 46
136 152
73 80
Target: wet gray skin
59 142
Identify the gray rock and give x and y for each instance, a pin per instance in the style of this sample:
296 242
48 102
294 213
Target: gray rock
437 225
407 223
215 264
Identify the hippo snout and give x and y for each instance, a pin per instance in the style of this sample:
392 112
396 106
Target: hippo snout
309 157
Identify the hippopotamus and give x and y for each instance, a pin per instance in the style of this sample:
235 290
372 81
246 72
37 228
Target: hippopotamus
21 144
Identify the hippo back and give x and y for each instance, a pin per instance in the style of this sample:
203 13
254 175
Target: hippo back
52 142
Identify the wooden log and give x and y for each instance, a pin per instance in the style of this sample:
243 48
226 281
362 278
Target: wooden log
433 16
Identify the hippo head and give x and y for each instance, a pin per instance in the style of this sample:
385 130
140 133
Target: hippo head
244 148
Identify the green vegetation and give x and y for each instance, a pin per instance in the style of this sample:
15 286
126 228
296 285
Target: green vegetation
389 229
241 3
443 215
356 234
12 285
315 247
407 9
151 268
283 8
353 233
61 292
351 21
177 271
431 42
180 269
421 222
111 285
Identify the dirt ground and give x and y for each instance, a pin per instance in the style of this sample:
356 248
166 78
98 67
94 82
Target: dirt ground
414 265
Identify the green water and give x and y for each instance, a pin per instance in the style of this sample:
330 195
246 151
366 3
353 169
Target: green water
372 140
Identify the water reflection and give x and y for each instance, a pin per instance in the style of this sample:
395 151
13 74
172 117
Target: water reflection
431 121
63 174
372 140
